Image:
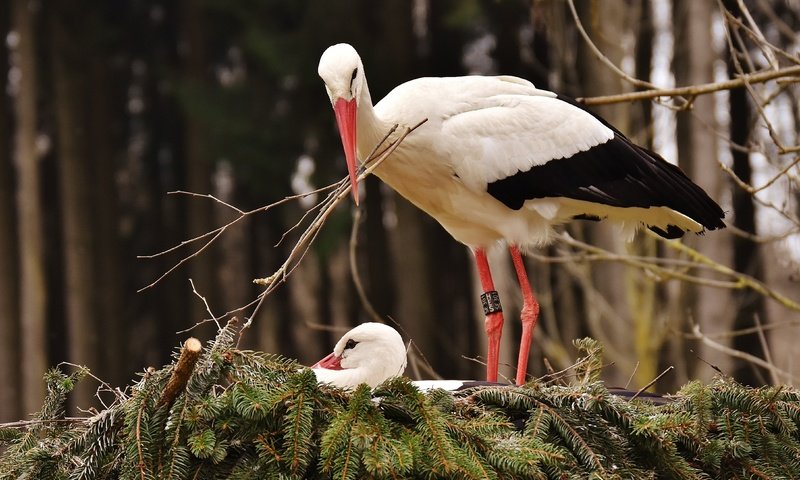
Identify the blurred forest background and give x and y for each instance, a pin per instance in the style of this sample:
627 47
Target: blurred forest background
110 105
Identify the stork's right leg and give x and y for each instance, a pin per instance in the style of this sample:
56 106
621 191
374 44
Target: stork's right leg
494 314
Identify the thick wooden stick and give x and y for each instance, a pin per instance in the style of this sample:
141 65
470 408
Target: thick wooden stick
183 370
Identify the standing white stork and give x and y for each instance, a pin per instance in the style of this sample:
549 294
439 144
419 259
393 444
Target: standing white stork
500 160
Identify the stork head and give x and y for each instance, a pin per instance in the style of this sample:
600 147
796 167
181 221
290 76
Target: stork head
370 353
341 69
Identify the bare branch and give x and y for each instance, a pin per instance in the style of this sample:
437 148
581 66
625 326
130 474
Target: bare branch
339 193
652 382
353 246
694 90
208 308
696 334
605 60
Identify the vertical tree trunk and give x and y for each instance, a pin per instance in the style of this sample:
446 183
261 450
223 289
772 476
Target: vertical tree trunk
562 312
33 294
607 24
196 157
9 267
746 253
103 134
697 154
643 296
234 270
409 246
69 81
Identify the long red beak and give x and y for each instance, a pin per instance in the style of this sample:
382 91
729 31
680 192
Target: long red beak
331 362
346 120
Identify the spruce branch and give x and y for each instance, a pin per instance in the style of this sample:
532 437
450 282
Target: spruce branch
267 418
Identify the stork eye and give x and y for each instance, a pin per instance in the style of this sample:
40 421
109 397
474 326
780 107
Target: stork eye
350 344
353 76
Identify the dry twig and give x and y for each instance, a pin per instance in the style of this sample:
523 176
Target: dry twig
337 195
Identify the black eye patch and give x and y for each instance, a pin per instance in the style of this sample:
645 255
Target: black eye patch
350 344
353 76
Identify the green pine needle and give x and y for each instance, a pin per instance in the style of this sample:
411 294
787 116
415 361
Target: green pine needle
250 415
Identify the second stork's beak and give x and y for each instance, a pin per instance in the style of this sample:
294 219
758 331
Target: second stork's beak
331 362
346 120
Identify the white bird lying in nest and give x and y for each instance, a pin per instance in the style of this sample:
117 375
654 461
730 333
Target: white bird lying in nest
372 353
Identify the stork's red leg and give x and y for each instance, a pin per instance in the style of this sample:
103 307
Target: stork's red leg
529 315
494 314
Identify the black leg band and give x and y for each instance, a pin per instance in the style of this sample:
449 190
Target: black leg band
491 302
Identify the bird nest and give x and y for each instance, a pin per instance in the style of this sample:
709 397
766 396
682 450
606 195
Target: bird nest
236 414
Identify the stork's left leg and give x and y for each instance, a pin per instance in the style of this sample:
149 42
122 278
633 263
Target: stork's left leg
529 315
494 314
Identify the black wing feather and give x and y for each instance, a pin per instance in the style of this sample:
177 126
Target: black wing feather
617 173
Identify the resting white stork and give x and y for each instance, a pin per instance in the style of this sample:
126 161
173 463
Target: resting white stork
370 353
500 160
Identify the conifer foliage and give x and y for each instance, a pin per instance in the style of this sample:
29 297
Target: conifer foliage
246 415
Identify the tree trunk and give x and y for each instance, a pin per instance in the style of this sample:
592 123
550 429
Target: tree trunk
746 254
643 298
234 271
607 24
197 167
69 81
697 154
33 294
104 134
9 268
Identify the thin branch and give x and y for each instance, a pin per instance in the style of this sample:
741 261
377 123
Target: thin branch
633 373
695 90
652 382
216 233
751 330
306 239
600 56
353 250
696 334
207 195
40 421
420 358
761 41
738 281
208 308
742 281
767 354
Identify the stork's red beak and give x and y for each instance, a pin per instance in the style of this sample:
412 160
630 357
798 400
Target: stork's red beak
346 120
331 362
